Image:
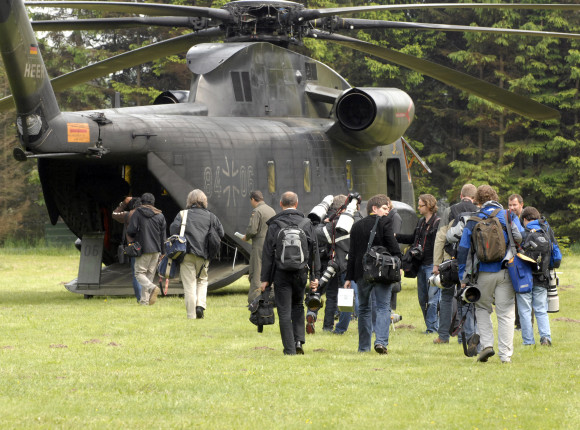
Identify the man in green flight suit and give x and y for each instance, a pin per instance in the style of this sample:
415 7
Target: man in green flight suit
256 232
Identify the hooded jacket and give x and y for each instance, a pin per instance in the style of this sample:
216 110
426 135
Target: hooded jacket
196 229
147 226
288 216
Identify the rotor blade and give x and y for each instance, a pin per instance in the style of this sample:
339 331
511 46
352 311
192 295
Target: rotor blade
359 24
310 14
117 23
512 101
137 8
125 60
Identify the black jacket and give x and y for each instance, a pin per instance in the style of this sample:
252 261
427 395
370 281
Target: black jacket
196 229
359 239
287 216
147 226
424 235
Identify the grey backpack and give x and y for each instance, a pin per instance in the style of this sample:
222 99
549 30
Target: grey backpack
292 246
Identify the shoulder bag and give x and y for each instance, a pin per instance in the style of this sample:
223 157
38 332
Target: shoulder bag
379 266
176 245
519 269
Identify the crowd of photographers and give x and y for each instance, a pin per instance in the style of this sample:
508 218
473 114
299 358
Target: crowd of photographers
459 281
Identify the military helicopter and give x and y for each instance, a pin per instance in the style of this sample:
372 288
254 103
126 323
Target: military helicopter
256 116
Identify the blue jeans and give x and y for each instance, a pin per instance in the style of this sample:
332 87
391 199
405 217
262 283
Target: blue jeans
428 298
538 300
383 298
136 285
344 319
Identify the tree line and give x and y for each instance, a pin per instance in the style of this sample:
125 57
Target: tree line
462 138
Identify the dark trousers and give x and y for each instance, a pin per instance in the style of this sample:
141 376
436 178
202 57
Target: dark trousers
331 306
289 295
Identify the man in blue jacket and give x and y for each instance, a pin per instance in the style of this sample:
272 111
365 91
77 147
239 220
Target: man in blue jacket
493 280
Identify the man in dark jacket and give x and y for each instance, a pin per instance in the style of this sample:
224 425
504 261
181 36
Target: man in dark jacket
377 206
289 285
147 226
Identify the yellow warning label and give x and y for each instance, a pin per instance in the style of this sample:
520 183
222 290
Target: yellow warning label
78 132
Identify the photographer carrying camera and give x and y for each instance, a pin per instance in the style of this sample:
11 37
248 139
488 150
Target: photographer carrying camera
493 279
444 250
377 206
333 236
422 244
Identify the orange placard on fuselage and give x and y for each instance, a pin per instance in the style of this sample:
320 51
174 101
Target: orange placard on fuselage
78 132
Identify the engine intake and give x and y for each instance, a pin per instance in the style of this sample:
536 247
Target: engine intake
370 117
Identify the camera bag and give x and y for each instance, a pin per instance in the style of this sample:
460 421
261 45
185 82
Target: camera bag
262 310
176 245
378 264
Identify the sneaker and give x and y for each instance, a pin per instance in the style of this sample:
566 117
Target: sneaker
439 341
153 296
545 341
485 354
472 345
199 312
381 349
310 320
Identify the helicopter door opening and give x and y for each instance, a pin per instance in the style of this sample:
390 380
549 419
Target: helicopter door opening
394 188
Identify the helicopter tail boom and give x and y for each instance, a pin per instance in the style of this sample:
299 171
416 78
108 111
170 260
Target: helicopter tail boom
371 117
29 82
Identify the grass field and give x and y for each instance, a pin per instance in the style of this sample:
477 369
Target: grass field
66 362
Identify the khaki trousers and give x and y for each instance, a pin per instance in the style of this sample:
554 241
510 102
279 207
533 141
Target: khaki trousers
496 286
193 272
145 268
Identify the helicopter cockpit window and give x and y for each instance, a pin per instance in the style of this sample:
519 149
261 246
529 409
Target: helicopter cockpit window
247 86
307 176
271 177
394 190
238 93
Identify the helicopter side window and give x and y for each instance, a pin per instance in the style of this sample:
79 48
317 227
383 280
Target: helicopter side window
271 177
307 176
246 85
394 190
242 87
348 168
311 74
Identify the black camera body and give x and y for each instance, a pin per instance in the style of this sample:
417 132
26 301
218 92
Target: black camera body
416 252
313 301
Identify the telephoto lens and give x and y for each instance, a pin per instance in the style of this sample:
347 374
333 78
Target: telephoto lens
328 274
435 281
318 212
469 294
553 299
395 318
346 219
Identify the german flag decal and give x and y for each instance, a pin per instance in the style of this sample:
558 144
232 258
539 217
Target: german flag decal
33 50
78 132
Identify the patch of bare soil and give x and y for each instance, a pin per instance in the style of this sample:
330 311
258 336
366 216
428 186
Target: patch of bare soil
565 319
55 345
93 341
407 326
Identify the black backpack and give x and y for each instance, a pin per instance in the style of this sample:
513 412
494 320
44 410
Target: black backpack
262 310
538 246
292 251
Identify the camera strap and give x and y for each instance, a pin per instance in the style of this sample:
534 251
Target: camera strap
373 234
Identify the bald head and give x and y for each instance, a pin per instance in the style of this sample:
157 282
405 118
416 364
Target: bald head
289 200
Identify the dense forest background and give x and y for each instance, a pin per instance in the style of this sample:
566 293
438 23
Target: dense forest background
462 138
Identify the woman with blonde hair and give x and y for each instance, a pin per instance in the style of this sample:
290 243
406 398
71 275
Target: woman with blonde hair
193 268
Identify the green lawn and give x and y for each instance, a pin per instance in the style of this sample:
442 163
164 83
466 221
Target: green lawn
66 362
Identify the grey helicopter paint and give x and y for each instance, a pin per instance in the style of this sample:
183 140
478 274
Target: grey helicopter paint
257 116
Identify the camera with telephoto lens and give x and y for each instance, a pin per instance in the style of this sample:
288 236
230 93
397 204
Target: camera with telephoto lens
469 294
318 212
416 252
354 196
395 318
346 219
553 299
328 274
313 301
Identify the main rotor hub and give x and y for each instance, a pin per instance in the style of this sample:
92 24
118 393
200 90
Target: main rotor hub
271 21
